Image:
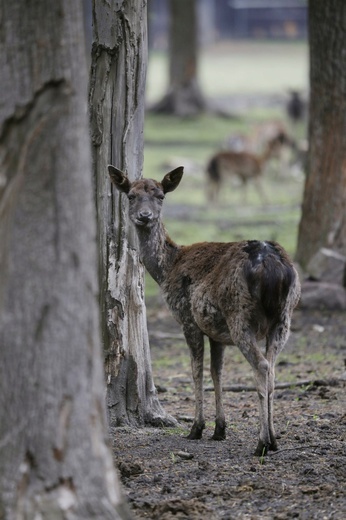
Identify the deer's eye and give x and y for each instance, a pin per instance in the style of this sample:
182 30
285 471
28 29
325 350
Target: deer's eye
160 196
131 196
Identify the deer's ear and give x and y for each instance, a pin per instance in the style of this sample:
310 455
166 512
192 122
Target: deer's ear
172 179
119 179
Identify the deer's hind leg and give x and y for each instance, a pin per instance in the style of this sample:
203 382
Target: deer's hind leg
247 344
216 364
195 340
276 341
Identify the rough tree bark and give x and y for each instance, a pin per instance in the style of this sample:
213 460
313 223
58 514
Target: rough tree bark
323 222
54 459
184 96
118 72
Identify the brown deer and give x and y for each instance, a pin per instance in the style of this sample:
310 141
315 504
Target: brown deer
244 165
233 293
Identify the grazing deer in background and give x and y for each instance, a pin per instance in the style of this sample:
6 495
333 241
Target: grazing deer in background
233 293
244 165
257 137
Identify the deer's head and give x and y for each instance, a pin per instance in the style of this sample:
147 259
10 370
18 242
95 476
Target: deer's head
145 195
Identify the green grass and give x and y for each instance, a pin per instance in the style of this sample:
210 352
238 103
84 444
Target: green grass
205 130
182 360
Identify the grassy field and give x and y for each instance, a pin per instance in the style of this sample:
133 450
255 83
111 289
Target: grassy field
227 71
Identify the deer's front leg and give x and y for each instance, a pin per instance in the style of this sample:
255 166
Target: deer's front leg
195 341
271 388
261 370
216 364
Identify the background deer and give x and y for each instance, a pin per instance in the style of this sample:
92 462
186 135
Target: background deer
243 165
233 293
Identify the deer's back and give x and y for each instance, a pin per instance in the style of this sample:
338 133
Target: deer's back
242 164
212 284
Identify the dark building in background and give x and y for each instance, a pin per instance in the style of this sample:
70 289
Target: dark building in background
280 19
157 24
235 19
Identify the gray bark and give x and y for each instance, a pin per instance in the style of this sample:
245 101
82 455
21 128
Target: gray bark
118 71
54 458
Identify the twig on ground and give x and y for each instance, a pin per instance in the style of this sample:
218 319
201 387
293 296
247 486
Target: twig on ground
280 386
307 446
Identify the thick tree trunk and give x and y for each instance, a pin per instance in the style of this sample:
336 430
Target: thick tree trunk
323 222
184 96
54 460
119 60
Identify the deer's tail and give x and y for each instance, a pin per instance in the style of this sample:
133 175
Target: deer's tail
271 278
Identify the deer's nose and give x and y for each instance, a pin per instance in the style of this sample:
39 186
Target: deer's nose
145 215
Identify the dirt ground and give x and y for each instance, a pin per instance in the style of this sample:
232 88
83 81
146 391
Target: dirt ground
165 476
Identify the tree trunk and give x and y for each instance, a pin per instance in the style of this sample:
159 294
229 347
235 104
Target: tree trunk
119 60
184 96
54 460
323 222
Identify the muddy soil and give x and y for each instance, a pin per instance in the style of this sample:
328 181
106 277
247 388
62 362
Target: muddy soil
165 476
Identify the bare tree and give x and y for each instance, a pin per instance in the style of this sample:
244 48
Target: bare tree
184 96
54 459
323 222
119 61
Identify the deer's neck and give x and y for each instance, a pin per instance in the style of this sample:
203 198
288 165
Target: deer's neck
157 250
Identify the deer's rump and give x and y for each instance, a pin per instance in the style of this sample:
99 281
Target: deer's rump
220 286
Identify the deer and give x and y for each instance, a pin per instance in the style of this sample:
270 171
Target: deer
235 293
244 165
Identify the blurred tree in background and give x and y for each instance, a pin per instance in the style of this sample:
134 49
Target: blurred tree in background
184 96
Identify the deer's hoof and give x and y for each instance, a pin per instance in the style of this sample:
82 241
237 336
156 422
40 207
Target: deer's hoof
263 448
196 432
273 445
219 433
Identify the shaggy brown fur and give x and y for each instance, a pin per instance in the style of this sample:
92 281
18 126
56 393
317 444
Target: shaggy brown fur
233 293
